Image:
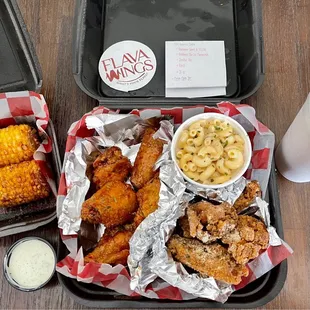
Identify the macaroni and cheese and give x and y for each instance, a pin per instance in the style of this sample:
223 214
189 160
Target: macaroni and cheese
210 151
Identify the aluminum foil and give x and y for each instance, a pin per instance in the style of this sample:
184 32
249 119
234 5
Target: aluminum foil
69 216
229 194
124 131
264 213
149 258
171 196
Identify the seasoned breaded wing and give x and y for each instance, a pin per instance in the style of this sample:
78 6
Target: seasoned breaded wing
111 165
251 191
212 260
148 198
196 229
184 225
248 239
17 144
113 248
22 183
209 222
149 152
114 204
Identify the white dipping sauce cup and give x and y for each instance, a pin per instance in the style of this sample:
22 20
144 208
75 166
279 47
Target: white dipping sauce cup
29 264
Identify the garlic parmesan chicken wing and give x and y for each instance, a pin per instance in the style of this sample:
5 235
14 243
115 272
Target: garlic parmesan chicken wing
251 191
212 260
184 225
247 240
114 204
208 222
113 247
111 165
148 198
149 152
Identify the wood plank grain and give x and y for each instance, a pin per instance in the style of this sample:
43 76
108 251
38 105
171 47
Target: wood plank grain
287 83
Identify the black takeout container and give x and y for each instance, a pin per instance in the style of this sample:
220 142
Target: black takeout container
20 70
100 23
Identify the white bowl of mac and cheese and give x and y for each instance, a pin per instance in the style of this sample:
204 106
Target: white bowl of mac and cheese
211 150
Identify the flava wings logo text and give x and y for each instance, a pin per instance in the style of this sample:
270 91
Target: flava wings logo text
127 65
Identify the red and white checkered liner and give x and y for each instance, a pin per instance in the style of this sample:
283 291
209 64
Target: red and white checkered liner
118 278
26 107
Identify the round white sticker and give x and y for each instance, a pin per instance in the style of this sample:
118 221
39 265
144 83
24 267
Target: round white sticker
127 65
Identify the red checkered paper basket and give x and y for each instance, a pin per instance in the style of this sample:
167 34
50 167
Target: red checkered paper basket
27 107
117 278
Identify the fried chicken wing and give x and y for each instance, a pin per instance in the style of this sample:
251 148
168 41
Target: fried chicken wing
248 239
184 225
113 247
149 152
111 165
212 260
114 204
251 191
208 222
148 197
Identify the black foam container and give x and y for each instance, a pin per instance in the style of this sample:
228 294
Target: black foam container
19 71
19 66
154 22
256 294
98 24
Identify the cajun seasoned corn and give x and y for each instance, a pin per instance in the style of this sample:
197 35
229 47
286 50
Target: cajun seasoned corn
17 144
22 183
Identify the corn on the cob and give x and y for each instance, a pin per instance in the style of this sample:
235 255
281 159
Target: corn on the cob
17 144
22 183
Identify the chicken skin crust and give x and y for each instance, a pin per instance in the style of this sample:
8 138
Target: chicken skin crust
114 204
148 198
208 222
111 165
149 152
113 248
212 260
248 239
251 191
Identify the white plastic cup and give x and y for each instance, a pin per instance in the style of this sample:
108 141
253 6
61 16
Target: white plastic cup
293 153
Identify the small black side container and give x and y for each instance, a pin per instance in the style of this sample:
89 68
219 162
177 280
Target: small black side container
19 71
101 23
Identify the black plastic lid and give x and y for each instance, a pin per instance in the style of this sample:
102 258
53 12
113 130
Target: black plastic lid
100 23
19 66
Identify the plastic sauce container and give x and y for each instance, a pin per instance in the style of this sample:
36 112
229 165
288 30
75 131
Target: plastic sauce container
29 264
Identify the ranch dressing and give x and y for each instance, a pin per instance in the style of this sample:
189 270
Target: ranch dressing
32 263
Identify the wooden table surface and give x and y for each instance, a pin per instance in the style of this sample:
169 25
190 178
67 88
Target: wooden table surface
287 83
